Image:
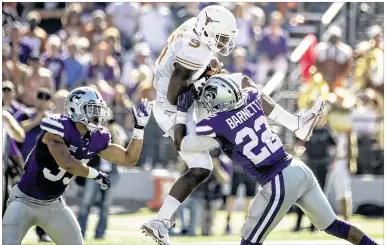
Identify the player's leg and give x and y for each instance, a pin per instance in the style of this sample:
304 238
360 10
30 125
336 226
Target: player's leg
251 190
269 207
62 227
317 208
17 220
200 167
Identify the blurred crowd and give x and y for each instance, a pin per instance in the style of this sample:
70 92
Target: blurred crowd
113 47
51 48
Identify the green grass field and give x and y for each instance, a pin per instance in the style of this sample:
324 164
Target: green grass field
125 229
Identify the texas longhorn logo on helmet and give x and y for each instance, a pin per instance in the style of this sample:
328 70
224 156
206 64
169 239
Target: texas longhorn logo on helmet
209 20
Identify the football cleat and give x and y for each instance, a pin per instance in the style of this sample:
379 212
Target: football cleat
158 230
307 120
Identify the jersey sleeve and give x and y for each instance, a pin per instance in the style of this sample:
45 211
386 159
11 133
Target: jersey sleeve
192 55
205 128
252 94
53 125
104 139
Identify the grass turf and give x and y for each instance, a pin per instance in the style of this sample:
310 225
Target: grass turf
125 229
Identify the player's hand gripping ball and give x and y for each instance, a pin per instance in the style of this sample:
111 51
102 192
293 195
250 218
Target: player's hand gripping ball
142 114
103 180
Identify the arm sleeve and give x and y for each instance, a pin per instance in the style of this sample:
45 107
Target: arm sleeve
197 143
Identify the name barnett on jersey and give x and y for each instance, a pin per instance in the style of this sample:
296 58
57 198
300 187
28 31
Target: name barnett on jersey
245 114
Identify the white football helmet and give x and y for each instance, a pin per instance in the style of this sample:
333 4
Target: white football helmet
86 105
221 93
216 27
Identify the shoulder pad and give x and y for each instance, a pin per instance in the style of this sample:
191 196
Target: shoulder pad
193 54
54 124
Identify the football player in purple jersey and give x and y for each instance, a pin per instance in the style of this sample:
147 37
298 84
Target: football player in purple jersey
62 150
235 121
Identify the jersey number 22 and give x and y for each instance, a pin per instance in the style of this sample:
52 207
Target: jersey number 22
269 146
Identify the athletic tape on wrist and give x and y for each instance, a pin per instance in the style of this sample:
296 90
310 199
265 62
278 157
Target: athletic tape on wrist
138 134
181 117
93 173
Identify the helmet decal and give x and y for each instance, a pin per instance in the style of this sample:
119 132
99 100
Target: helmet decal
209 20
76 95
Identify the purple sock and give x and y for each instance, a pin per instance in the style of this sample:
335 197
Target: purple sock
367 241
339 229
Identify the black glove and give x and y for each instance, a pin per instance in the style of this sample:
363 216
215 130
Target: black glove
103 180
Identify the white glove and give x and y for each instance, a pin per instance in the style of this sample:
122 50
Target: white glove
307 120
142 114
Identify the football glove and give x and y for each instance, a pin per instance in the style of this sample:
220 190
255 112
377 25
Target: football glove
103 180
185 101
142 114
307 120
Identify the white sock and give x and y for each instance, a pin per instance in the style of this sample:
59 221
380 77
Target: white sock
169 207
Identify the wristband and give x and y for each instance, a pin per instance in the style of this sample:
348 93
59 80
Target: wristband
138 134
93 173
181 117
139 127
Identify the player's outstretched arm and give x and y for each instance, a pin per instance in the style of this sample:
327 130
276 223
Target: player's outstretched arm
268 103
302 125
58 149
128 157
178 82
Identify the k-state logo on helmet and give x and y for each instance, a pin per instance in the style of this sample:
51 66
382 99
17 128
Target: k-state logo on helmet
211 91
76 95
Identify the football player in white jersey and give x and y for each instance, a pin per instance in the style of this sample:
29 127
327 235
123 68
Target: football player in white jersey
183 61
